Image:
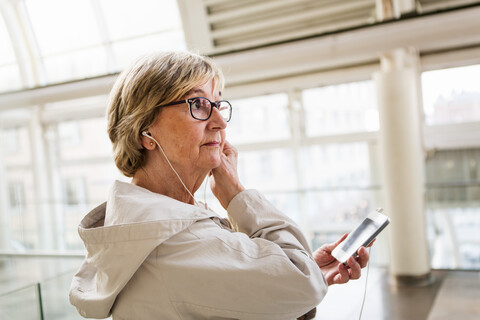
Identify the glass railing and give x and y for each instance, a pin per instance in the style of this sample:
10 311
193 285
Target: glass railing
23 303
43 300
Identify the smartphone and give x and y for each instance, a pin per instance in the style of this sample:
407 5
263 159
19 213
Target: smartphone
362 235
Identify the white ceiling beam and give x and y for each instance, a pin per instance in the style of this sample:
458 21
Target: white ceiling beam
59 92
238 44
428 6
299 17
427 34
449 59
253 10
301 82
195 25
215 2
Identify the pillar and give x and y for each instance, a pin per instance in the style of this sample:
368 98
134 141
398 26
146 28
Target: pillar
46 226
4 218
402 163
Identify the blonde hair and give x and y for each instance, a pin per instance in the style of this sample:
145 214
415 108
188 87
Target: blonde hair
151 81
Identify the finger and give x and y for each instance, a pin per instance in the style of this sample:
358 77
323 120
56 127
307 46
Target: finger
330 246
371 243
343 275
363 257
229 149
355 270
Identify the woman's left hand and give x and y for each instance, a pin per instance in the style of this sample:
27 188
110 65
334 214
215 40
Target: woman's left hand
336 272
225 183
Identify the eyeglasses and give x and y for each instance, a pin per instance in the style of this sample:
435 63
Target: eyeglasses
201 108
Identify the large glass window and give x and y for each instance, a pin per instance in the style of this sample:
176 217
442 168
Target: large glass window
259 119
21 218
451 95
327 188
453 208
69 51
342 108
100 37
16 195
85 170
128 19
9 72
340 188
142 26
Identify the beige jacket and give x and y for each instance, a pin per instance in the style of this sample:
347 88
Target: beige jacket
152 257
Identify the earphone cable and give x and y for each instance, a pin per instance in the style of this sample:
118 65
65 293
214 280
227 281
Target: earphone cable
205 191
366 283
171 166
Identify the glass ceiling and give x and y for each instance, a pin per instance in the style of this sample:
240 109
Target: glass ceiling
51 41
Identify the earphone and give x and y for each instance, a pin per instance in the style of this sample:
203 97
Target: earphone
148 135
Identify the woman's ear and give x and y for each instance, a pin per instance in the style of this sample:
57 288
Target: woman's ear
147 140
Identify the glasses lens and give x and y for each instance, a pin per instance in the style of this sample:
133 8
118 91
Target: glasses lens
225 110
200 108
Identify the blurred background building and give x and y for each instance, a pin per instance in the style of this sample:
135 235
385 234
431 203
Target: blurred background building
313 85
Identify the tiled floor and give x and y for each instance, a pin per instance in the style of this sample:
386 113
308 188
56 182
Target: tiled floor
387 301
452 294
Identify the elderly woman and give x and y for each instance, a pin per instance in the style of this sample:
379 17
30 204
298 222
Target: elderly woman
154 252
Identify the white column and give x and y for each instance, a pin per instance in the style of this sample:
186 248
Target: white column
297 129
4 225
402 162
57 205
43 195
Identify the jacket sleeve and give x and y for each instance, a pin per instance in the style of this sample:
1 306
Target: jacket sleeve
255 216
264 272
252 214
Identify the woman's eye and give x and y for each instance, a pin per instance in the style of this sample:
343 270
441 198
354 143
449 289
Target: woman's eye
196 104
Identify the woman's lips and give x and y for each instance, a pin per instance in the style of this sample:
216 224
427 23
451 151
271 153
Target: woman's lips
212 144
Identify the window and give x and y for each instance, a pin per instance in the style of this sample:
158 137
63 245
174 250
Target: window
16 196
112 33
9 72
74 191
451 95
69 134
331 165
259 119
453 208
268 170
339 109
9 139
339 191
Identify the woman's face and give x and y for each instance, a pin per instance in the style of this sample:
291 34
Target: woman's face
190 144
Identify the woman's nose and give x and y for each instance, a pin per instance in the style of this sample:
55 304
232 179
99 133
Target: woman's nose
217 119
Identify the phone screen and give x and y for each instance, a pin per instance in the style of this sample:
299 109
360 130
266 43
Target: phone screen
358 237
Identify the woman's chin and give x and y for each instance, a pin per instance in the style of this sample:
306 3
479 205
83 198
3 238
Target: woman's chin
212 163
216 163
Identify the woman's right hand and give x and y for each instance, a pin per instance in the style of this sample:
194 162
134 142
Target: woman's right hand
336 272
224 180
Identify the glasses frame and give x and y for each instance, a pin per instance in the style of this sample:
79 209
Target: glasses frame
191 100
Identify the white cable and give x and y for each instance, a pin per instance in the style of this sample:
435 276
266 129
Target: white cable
205 191
168 161
366 283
